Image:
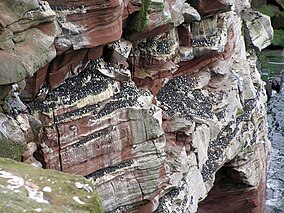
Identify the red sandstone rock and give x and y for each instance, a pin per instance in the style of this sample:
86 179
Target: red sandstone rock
231 192
184 35
34 83
54 73
207 7
87 24
162 149
64 64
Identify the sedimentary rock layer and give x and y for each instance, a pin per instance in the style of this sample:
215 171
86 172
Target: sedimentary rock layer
154 101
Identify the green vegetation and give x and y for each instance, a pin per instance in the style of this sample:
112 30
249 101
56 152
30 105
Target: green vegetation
269 10
60 198
10 150
143 15
277 19
270 61
239 112
278 39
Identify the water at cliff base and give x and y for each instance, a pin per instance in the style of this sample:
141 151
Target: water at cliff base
275 181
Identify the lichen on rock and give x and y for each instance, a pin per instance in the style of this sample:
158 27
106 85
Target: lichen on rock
153 101
26 188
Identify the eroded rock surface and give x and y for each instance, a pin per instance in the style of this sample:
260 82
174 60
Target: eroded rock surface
28 30
154 101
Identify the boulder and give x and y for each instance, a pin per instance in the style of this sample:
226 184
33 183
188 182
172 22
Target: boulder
258 29
12 138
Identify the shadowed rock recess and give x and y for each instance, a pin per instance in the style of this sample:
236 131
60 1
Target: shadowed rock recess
158 103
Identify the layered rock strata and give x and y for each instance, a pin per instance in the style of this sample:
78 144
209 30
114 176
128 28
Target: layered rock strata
154 101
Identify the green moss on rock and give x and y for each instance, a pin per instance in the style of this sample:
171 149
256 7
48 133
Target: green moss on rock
10 150
239 112
278 39
143 15
59 199
269 10
270 61
276 15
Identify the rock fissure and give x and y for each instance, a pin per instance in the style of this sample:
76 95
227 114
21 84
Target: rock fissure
154 102
59 147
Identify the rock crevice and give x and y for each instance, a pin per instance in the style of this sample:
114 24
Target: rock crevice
154 101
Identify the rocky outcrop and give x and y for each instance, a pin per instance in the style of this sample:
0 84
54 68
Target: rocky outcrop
106 130
258 28
87 24
155 102
28 30
240 184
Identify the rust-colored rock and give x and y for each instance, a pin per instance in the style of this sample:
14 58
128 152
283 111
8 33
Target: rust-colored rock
88 24
34 83
209 8
184 35
239 192
148 99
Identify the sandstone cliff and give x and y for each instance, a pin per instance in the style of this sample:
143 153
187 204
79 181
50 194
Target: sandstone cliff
154 101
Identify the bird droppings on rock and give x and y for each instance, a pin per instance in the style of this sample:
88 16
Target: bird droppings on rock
226 135
101 133
123 47
168 196
47 189
35 194
149 116
100 173
105 68
77 199
86 84
156 46
174 99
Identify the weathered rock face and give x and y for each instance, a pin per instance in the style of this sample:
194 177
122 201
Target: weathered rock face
28 29
258 28
154 101
81 22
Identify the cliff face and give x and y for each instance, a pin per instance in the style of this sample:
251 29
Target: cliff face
154 101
